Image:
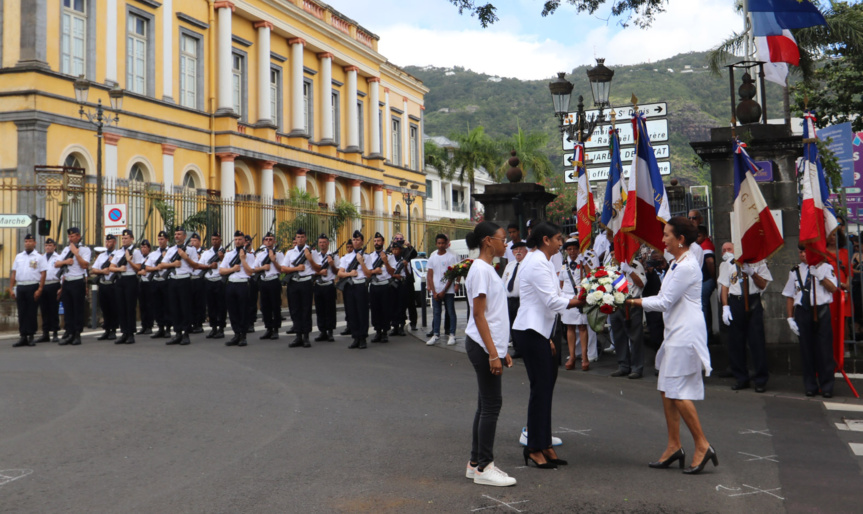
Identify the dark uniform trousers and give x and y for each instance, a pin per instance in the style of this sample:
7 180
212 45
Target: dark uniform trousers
27 309
50 307
325 306
816 348
401 297
159 301
145 295
74 302
271 302
412 299
179 297
628 338
216 308
199 302
747 328
300 304
236 296
512 303
357 309
108 305
252 305
127 301
381 305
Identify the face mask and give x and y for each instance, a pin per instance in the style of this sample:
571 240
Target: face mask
727 256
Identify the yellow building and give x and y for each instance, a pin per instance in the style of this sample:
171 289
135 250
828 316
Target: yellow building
244 100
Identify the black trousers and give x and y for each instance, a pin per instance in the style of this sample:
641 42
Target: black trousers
252 305
50 307
747 329
656 328
412 302
628 338
542 372
179 296
127 302
816 348
161 304
74 298
357 306
108 305
199 302
271 302
489 401
300 305
325 306
217 309
145 305
381 303
512 303
28 309
401 298
236 296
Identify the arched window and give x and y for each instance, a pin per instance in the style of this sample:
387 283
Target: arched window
189 181
189 196
137 199
72 161
75 209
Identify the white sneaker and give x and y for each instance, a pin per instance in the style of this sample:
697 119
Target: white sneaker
432 341
493 476
451 341
470 473
522 440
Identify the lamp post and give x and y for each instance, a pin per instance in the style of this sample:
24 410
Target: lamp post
100 119
409 197
581 129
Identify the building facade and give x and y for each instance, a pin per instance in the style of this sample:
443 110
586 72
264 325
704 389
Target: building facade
239 100
447 197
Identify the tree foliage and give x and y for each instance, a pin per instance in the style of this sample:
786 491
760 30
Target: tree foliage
475 150
639 12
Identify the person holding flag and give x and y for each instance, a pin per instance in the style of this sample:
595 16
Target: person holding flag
627 324
586 207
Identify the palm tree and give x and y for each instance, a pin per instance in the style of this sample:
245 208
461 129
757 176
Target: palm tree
529 148
475 150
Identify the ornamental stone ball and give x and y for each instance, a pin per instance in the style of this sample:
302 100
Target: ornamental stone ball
748 110
514 173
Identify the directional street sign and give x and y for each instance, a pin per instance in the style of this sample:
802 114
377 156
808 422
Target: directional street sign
15 220
601 173
604 156
656 110
656 129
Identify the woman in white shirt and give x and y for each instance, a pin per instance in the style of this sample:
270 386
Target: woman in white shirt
541 298
486 342
683 353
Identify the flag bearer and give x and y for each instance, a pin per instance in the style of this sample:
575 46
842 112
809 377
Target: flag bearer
26 287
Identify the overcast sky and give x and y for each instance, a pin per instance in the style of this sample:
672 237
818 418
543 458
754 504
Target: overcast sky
525 45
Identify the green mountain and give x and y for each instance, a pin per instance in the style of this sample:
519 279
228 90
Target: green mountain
697 101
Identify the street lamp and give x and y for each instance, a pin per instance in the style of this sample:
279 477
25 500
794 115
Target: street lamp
561 91
409 197
100 119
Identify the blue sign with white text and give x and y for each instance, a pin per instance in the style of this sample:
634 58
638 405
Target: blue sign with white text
842 141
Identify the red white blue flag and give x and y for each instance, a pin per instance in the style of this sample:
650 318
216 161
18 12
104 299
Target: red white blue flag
817 217
755 234
620 284
772 21
585 206
615 199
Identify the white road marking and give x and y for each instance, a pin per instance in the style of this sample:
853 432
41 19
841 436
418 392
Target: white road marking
857 448
850 375
756 457
842 426
752 490
761 432
501 503
564 430
9 475
843 406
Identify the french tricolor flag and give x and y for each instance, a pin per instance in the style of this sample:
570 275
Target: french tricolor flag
620 284
647 200
817 217
756 236
615 198
585 205
771 24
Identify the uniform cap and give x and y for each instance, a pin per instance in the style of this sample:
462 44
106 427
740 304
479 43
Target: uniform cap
248 237
28 236
216 234
73 230
269 234
570 242
324 236
301 231
50 241
358 234
195 236
519 244
378 235
127 232
238 233
164 234
145 243
179 228
110 237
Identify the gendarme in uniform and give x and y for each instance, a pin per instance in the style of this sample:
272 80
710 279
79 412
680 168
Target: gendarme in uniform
297 263
73 264
26 283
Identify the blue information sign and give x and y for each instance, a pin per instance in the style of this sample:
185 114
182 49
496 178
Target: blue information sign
842 146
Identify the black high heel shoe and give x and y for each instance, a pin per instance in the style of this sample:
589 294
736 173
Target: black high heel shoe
528 458
664 464
710 455
559 462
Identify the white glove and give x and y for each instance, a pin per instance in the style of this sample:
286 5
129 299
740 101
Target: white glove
748 269
726 315
626 268
793 326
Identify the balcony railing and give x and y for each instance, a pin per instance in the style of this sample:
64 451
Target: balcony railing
314 9
341 24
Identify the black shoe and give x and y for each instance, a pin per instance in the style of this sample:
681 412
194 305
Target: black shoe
234 340
55 339
355 344
394 332
147 331
113 335
105 335
739 386
620 373
65 341
709 456
211 333
401 331
377 338
197 330
122 339
760 388
527 458
242 342
362 345
330 336
292 330
664 464
168 333
31 341
275 334
345 332
634 375
185 339
130 339
220 334
159 334
429 334
46 336
810 393
306 343
76 341
413 328
176 339
827 394
251 329
384 337
22 341
297 342
267 334
321 337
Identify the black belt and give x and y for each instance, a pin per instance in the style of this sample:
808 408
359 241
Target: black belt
739 297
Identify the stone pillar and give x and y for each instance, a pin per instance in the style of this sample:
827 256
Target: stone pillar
110 171
297 120
111 42
228 191
388 138
357 200
390 211
168 166
265 117
406 135
327 128
225 89
32 151
353 145
267 193
300 178
330 191
379 208
168 57
374 110
34 35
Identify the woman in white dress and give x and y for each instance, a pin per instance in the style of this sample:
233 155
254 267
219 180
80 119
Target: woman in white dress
571 275
683 354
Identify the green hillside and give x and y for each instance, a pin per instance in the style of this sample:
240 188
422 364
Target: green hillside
697 101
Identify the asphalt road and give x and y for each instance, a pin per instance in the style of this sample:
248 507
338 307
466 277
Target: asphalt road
149 428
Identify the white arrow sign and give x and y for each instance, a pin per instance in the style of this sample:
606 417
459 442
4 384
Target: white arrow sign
15 220
601 173
626 154
656 129
656 110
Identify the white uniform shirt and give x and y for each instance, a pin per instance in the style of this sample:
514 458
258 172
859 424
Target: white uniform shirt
51 270
557 263
508 255
318 257
185 268
271 270
229 256
564 275
29 268
75 269
818 294
292 255
195 271
99 262
206 256
137 258
346 261
151 262
540 295
438 264
733 280
385 275
601 244
638 269
507 277
482 279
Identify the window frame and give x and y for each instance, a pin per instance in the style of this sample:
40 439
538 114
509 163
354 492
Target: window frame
150 50
361 129
396 141
413 140
200 100
276 100
91 16
309 106
336 105
244 83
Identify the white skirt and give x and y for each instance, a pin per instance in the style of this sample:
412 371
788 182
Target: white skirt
573 317
686 387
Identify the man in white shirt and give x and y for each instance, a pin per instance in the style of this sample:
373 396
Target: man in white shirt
50 299
627 327
380 293
326 265
514 237
237 266
510 279
297 262
73 264
354 271
214 287
106 290
199 290
159 287
25 286
179 260
442 290
268 270
125 263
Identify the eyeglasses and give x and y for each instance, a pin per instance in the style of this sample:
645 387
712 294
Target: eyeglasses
269 239
498 238
693 218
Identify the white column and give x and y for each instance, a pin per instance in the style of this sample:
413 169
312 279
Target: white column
111 41
265 117
327 129
228 191
225 88
374 101
448 198
357 200
300 178
353 120
297 121
330 191
168 166
168 50
379 209
267 193
389 213
110 174
406 134
388 139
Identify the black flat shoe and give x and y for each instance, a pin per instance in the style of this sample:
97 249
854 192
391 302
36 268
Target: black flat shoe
527 458
664 464
737 387
827 394
710 455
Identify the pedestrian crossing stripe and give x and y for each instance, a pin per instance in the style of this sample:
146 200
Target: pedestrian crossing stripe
843 406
